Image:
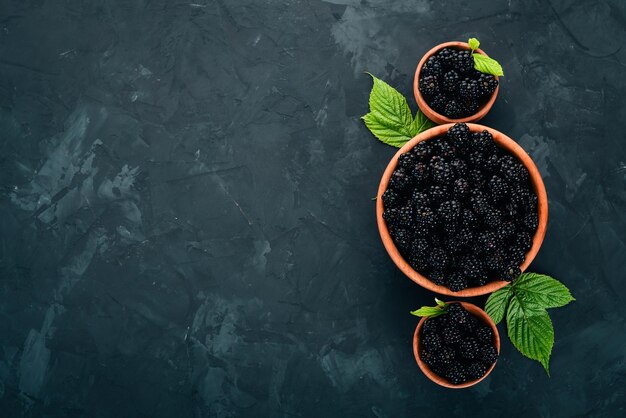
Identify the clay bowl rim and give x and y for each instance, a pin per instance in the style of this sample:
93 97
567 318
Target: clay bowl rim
438 117
474 310
542 207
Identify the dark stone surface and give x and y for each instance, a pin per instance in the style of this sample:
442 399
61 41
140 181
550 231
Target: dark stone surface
185 216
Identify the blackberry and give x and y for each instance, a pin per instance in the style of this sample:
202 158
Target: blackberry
498 188
437 277
456 373
492 163
470 107
450 335
391 199
465 237
417 262
420 247
469 348
432 67
449 211
438 259
457 282
477 161
457 314
402 237
425 221
419 199
468 219
492 217
516 255
446 57
488 354
484 335
453 109
407 162
483 142
444 148
510 210
506 230
399 180
431 341
441 172
476 178
422 151
450 81
531 222
476 370
429 357
429 86
404 216
459 135
513 170
478 202
445 356
487 84
473 268
420 174
461 189
453 246
494 263
509 273
463 62
468 90
438 194
470 326
438 103
521 198
488 242
459 167
522 240
430 326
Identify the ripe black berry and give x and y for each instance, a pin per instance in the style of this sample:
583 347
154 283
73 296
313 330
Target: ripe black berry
450 81
391 199
432 67
453 109
487 84
451 335
456 373
488 354
407 162
476 370
484 335
459 135
429 86
399 180
457 282
469 348
449 211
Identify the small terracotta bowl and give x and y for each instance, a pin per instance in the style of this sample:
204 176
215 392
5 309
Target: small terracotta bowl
483 317
438 117
542 206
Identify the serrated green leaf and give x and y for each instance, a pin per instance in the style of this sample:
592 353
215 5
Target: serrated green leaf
530 330
473 44
390 118
386 131
420 123
498 302
487 65
542 290
428 311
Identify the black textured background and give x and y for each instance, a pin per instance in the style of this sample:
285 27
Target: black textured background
185 216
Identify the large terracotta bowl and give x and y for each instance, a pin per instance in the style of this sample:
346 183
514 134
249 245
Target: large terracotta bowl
504 142
483 317
438 117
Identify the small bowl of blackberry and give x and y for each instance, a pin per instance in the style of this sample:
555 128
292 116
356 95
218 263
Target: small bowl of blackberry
448 88
462 209
458 347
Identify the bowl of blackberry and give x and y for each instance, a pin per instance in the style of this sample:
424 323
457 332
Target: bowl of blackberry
456 344
462 209
448 88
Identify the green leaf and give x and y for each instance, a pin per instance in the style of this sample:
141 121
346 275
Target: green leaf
386 131
497 303
487 65
390 117
441 303
530 330
420 123
429 311
542 290
473 44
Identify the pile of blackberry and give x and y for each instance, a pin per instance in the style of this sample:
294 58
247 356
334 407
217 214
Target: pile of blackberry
457 345
452 87
461 210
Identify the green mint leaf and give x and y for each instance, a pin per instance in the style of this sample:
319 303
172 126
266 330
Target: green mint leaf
542 290
530 330
473 44
498 302
441 303
428 311
487 65
420 123
390 118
